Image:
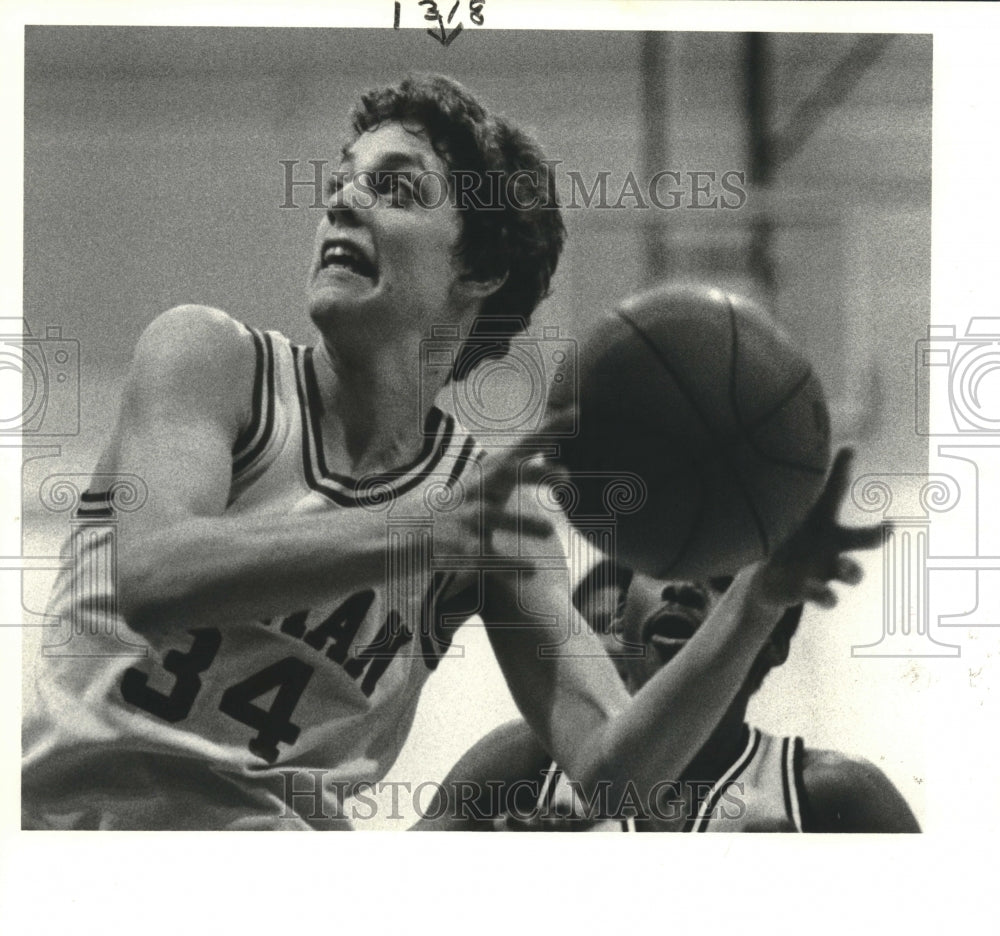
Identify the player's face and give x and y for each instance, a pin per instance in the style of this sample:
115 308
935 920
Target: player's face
659 616
384 259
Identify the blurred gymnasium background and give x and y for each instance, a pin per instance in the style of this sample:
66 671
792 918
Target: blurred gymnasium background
154 177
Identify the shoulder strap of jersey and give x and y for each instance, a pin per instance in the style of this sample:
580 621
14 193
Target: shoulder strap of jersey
741 763
546 796
255 436
792 753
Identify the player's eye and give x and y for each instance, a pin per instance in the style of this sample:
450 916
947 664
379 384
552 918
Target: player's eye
395 186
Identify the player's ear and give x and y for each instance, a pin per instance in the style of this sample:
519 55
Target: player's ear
480 287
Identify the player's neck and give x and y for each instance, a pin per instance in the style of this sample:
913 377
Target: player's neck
724 746
374 407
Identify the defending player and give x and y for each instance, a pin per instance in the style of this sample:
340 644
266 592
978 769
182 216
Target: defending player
255 632
742 780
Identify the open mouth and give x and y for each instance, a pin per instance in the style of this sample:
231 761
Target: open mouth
341 254
668 631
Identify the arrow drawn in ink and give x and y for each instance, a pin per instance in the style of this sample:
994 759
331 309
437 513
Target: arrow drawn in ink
444 38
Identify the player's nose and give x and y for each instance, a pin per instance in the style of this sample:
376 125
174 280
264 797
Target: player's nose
689 594
346 203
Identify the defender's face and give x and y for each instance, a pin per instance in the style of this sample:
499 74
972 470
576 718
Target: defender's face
656 620
384 258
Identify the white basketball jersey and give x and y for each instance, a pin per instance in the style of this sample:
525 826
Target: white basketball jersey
760 792
264 724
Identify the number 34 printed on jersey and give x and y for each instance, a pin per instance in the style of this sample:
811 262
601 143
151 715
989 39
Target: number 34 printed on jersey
274 725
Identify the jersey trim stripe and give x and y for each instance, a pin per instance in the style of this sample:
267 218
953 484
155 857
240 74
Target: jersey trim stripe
461 460
794 782
548 793
252 441
351 492
786 787
311 385
710 801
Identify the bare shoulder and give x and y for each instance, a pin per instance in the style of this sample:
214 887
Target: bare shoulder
194 332
189 387
195 353
851 794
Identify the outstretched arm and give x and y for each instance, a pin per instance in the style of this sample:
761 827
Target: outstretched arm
847 795
574 700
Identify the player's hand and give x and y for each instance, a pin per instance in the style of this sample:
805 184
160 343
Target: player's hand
483 509
803 566
513 498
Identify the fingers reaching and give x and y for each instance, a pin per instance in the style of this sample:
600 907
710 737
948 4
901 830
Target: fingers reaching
819 593
848 571
837 483
867 537
806 565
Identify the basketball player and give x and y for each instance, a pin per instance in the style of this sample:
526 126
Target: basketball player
742 780
266 631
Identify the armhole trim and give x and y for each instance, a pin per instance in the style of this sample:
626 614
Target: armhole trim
708 803
795 787
254 438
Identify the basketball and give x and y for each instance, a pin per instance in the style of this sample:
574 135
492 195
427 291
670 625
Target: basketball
702 433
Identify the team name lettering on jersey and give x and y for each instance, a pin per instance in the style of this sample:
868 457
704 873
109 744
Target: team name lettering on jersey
335 634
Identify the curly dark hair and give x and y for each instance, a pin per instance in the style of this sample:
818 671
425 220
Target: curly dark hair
520 233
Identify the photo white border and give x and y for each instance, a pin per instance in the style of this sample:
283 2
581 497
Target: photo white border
168 883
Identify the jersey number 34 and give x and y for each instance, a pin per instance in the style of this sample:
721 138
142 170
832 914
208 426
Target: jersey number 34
273 725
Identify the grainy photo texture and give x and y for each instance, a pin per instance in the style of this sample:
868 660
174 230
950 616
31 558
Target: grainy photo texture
442 428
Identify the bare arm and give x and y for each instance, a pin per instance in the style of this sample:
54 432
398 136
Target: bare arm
574 700
186 399
848 795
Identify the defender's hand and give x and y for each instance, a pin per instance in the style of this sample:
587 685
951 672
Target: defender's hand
803 566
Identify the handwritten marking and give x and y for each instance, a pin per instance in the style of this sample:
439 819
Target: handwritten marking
433 15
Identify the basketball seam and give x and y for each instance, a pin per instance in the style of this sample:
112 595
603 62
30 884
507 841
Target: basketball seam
762 533
795 388
733 358
757 423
